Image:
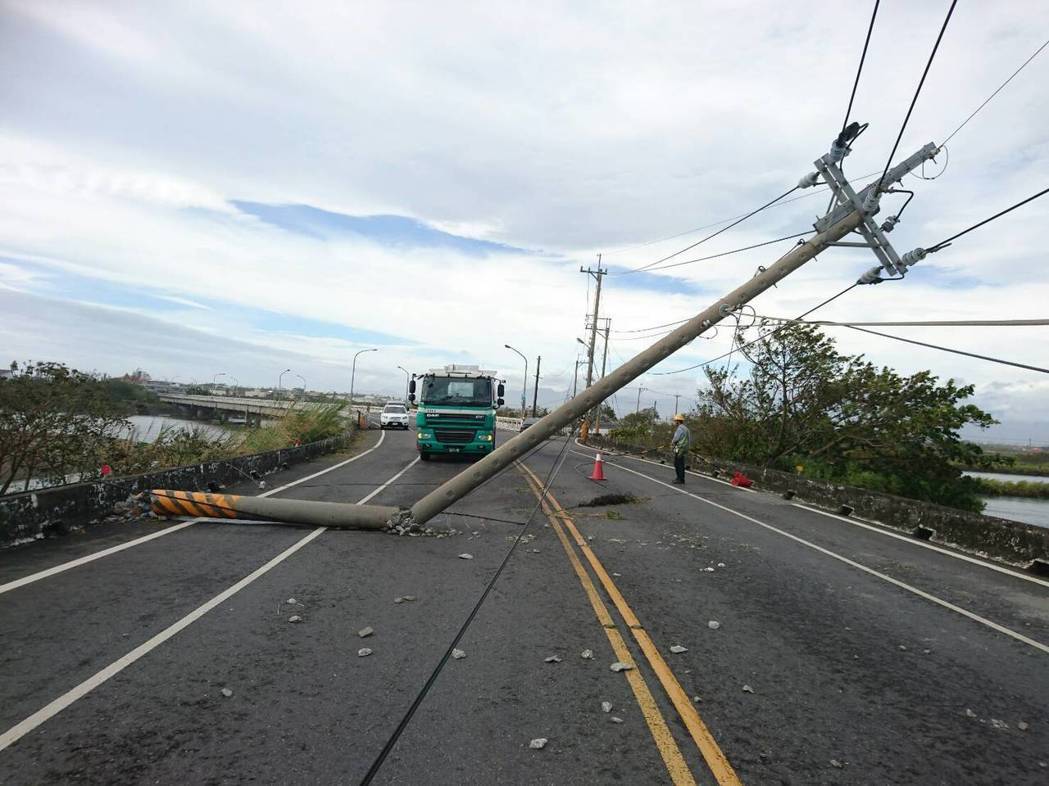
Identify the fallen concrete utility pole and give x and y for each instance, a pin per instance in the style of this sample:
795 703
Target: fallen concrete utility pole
845 221
337 515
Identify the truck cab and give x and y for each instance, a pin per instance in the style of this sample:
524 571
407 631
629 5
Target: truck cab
456 413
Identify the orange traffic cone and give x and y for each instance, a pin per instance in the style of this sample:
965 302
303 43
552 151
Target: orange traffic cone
599 468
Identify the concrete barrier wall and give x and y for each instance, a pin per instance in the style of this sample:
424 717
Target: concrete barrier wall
33 514
1001 539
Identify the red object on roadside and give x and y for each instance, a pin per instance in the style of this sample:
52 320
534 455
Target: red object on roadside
741 480
599 468
106 470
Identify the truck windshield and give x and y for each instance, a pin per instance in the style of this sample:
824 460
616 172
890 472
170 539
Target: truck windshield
456 390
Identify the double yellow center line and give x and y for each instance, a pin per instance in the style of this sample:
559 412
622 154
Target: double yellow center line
668 748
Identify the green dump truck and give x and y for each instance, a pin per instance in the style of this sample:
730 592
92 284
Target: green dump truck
456 412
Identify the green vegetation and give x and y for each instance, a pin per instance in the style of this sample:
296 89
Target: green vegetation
803 407
58 424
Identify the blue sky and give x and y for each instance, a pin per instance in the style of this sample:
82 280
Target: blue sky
307 185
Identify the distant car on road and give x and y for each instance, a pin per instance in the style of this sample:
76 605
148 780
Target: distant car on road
529 422
394 415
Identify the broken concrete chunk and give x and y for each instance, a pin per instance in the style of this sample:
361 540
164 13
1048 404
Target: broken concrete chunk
466 556
616 720
713 624
999 724
292 601
365 632
619 666
398 600
721 564
458 654
677 649
969 713
747 689
538 743
587 654
606 706
226 692
836 763
552 659
708 570
363 652
409 598
294 618
1023 726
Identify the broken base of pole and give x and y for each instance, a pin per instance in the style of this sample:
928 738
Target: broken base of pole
335 515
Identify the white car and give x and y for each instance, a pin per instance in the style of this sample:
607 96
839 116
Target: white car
394 415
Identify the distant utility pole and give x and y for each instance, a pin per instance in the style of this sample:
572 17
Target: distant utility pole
597 275
535 393
676 397
639 392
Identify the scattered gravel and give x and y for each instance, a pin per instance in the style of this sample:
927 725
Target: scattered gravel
587 654
365 632
1023 726
713 624
620 666
606 706
747 689
552 659
458 654
226 692
616 720
538 743
677 649
294 618
464 555
363 652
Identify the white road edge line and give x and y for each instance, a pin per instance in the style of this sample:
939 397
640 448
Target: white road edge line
880 530
76 563
920 593
41 716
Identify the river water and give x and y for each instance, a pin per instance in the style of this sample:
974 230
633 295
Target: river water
1026 509
147 428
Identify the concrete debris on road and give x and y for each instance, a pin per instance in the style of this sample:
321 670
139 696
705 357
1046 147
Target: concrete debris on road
464 555
619 666
677 649
713 624
292 602
363 652
1023 726
538 743
969 713
999 724
903 648
836 763
721 564
697 700
616 720
747 689
458 654
606 706
587 654
552 659
226 692
294 618
709 570
365 632
404 599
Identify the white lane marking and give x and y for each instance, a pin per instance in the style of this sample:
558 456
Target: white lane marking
880 530
920 593
76 563
18 731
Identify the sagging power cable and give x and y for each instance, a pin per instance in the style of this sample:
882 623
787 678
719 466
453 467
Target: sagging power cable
762 337
396 735
737 222
921 82
733 251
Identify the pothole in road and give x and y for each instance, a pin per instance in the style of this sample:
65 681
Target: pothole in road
611 499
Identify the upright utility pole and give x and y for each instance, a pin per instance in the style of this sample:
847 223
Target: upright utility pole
598 275
535 393
676 397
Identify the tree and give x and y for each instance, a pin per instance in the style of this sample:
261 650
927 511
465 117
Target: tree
54 421
842 418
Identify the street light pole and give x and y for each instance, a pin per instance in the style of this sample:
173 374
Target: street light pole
280 383
407 378
524 380
353 371
303 384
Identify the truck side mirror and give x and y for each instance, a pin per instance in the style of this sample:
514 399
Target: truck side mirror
501 391
500 402
411 398
411 388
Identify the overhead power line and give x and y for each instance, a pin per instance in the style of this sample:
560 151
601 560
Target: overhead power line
944 243
917 92
949 349
996 92
859 69
921 323
737 222
733 251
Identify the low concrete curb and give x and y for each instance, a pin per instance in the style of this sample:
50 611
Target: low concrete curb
34 514
987 536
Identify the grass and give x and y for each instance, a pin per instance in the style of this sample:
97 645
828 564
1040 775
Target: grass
1005 488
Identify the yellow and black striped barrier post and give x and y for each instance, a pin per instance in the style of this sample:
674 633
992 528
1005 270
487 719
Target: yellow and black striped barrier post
339 515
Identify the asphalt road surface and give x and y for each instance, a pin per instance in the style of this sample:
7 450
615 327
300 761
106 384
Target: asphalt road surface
770 643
